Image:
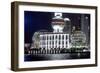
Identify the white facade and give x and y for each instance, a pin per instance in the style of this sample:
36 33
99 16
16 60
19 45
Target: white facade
54 40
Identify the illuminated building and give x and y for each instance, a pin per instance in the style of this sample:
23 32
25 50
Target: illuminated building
57 38
54 42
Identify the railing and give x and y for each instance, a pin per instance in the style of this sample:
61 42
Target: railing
55 50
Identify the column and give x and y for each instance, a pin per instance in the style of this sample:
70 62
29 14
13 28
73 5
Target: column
61 42
57 40
46 41
68 41
51 40
43 41
54 40
64 40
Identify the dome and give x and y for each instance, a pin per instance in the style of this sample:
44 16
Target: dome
58 22
36 38
78 38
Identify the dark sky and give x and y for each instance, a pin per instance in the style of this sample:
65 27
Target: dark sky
35 21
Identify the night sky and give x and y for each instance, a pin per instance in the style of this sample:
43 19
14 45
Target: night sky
35 21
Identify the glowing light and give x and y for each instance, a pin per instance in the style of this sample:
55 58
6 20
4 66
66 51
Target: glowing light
66 19
58 14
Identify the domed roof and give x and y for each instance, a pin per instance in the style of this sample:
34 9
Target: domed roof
57 19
